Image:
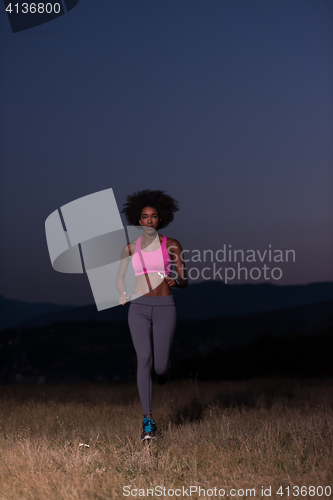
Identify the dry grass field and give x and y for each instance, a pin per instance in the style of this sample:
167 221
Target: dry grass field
231 436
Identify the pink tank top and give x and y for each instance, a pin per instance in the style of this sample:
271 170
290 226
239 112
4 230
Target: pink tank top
157 261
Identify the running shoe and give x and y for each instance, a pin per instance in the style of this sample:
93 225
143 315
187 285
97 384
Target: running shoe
149 429
165 377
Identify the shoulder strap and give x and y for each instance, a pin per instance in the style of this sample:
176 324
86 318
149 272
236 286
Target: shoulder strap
165 253
136 246
142 262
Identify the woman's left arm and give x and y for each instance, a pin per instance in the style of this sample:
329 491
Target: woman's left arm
175 250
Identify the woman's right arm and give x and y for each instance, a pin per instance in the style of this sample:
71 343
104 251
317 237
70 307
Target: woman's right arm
120 279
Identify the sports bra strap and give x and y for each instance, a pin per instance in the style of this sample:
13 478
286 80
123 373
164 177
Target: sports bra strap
166 256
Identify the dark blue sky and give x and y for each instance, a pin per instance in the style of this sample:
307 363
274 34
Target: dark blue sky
227 105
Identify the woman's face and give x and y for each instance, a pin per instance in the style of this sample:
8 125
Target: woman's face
149 219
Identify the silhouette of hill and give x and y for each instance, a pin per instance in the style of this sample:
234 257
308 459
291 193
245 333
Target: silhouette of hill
215 298
266 356
203 336
198 301
13 312
92 350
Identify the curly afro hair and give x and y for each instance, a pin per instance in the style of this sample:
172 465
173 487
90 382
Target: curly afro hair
164 204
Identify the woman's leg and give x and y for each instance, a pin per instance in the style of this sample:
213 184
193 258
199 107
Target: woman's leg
139 321
164 324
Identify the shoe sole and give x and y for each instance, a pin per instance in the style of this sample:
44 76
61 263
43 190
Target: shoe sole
147 437
163 379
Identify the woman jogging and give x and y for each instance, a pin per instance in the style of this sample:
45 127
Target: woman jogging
152 308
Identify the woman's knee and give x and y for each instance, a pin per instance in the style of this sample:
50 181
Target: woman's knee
144 360
160 367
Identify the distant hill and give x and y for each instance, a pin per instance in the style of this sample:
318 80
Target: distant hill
214 298
203 336
91 350
13 312
265 356
198 301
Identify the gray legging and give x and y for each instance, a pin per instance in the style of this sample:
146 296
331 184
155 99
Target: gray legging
146 314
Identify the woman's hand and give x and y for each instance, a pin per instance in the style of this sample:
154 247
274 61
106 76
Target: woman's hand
123 299
169 280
